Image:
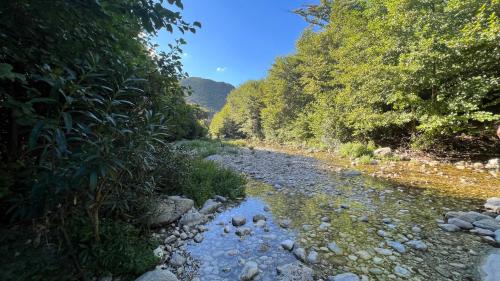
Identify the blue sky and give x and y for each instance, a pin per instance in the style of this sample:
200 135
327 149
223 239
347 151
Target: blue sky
239 39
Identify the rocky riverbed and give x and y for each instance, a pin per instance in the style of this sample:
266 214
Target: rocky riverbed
304 219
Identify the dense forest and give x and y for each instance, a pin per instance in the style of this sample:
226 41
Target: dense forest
88 107
209 94
420 74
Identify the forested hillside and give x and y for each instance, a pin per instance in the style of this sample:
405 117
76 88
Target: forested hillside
207 93
413 73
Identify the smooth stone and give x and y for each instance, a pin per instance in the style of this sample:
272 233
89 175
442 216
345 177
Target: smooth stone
344 277
401 271
335 248
449 227
384 252
300 254
489 224
397 246
250 270
287 245
381 233
324 226
259 217
482 232
238 220
260 223
497 236
461 223
312 257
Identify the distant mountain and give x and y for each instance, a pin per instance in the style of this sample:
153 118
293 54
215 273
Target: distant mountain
207 93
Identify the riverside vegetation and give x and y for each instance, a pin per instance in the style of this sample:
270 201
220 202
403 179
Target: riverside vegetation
88 109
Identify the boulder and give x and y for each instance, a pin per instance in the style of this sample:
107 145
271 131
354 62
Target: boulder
383 152
295 271
348 276
210 207
158 275
242 231
466 216
169 210
177 260
493 204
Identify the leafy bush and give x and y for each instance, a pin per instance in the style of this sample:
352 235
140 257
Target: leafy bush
365 160
86 110
356 149
207 179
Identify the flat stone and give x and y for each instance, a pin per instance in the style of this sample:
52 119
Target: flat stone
397 246
449 227
489 224
348 276
401 271
158 275
482 232
461 223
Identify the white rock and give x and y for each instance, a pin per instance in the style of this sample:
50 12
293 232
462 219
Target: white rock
344 277
158 275
287 244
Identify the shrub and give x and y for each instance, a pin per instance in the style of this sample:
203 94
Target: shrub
365 159
207 179
356 149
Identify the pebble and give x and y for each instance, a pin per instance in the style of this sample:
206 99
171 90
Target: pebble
344 277
300 254
449 227
397 246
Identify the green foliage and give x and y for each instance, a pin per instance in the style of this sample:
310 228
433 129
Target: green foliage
87 107
207 179
365 160
356 149
122 250
391 71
